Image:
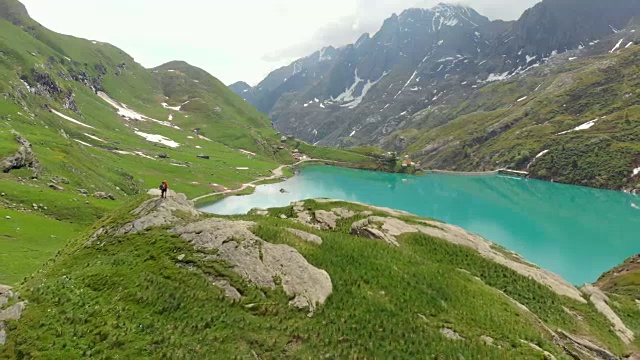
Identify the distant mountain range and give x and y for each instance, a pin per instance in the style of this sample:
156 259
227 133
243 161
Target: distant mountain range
377 90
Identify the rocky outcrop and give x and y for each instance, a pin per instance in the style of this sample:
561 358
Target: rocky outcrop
306 236
587 347
321 219
370 229
24 157
262 263
158 212
601 302
45 85
69 102
326 219
9 312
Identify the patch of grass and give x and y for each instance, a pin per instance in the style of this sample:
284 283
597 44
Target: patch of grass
27 240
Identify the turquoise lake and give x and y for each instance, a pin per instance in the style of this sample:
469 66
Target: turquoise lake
574 231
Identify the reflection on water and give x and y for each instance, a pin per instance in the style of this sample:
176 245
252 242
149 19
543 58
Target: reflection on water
575 231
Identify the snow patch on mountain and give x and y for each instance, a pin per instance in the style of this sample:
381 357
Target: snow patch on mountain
158 139
71 119
126 113
585 126
83 143
617 46
323 56
407 84
355 101
94 137
297 68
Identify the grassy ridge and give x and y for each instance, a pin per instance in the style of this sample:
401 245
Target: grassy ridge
127 298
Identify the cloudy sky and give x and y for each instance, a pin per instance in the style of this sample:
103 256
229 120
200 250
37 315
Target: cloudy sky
233 39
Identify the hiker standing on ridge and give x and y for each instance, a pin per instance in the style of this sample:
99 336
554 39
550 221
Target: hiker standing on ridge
164 189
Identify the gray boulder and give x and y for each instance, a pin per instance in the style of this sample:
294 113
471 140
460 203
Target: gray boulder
327 220
13 312
306 236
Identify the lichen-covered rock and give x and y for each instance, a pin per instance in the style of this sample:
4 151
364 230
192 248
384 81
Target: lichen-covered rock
306 236
258 261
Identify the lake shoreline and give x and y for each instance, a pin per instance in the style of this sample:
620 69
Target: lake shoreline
533 218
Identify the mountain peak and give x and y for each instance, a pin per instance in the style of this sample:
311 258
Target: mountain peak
13 11
444 14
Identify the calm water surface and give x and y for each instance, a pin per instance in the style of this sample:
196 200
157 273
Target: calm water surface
576 232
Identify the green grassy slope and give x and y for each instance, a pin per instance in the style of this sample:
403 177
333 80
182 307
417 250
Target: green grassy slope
508 123
125 297
101 151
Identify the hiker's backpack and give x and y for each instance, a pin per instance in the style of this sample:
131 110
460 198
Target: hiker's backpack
163 187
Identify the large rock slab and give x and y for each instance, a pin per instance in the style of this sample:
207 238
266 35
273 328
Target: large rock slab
258 261
601 302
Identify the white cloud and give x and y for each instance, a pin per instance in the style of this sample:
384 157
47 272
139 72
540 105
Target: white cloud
232 39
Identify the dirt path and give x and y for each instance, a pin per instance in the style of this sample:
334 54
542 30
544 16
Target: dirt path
276 173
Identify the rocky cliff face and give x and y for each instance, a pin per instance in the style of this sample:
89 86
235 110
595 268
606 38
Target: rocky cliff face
362 93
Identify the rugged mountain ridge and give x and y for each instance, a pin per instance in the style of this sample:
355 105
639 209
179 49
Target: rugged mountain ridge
434 77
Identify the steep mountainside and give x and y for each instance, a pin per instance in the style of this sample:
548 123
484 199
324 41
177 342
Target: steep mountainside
425 68
315 279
